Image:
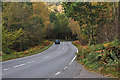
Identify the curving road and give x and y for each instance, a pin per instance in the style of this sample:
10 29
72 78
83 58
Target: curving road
56 62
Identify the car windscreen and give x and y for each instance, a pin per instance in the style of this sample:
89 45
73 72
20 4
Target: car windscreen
57 40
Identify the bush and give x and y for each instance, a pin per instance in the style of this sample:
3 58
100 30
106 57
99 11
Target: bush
101 57
9 51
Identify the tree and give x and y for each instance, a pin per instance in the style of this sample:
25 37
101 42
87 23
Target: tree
32 18
74 26
53 17
40 8
61 26
9 38
89 15
15 15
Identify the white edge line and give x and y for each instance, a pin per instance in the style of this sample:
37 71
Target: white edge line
76 48
57 73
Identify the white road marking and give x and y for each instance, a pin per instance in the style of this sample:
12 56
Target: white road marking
30 62
63 45
48 79
19 65
65 67
76 48
46 57
23 57
6 69
72 60
57 73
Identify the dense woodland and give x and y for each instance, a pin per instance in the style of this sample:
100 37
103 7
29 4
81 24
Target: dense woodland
27 24
98 34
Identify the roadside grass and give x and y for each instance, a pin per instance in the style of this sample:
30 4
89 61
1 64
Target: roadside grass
29 52
100 58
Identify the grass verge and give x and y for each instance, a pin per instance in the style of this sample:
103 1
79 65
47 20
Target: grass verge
28 52
100 58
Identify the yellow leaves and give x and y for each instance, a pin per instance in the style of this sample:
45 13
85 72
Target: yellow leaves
110 15
34 5
34 15
94 3
84 7
93 10
75 15
84 25
107 45
108 5
54 7
41 9
47 22
8 38
74 26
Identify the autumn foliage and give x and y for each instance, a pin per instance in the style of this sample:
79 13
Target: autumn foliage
102 58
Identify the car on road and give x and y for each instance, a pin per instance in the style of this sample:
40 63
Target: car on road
57 41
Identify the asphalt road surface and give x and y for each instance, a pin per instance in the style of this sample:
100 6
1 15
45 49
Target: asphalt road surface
56 62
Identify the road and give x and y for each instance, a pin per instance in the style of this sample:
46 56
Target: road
56 62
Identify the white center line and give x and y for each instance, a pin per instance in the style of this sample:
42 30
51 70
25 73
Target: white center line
72 60
65 67
57 73
19 65
30 62
6 69
46 57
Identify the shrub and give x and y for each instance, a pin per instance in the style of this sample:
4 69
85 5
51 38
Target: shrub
26 52
9 51
101 57
99 47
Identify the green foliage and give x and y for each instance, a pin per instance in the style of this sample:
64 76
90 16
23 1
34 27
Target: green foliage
9 38
24 25
59 28
53 17
31 51
91 16
103 58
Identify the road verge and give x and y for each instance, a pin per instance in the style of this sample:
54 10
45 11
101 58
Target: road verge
29 52
95 58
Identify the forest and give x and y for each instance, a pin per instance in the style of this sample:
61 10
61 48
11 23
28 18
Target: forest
30 26
98 35
27 24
